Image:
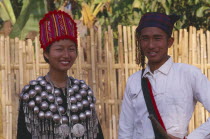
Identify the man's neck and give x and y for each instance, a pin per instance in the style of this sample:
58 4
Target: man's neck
155 66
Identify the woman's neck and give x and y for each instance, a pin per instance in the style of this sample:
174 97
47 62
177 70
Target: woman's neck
59 79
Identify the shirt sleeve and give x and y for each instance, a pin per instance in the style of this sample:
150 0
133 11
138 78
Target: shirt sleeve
201 90
22 131
126 121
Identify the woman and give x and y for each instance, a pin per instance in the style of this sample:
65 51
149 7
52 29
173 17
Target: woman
56 106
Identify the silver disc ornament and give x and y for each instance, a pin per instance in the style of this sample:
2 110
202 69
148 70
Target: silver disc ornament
78 130
70 91
25 97
83 92
53 107
41 115
48 88
82 81
64 130
44 105
80 105
89 98
90 92
76 81
57 92
74 118
74 108
73 99
84 86
78 97
40 78
92 106
38 99
61 109
43 82
88 113
56 118
33 82
38 88
26 87
51 98
32 93
31 104
44 95
82 116
75 88
59 100
64 120
85 103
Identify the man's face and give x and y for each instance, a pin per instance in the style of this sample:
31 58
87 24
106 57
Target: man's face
154 44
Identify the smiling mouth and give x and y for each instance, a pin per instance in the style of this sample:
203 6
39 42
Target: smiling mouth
152 53
65 62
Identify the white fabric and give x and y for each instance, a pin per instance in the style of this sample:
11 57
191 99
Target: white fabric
176 88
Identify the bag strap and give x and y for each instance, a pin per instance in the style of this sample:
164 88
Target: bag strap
151 104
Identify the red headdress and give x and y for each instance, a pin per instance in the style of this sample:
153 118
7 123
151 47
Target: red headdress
57 25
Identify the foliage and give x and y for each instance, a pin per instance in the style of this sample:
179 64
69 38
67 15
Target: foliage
128 12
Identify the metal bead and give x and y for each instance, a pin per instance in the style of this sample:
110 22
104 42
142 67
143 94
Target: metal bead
83 92
92 106
26 87
78 97
85 103
75 88
89 98
82 116
88 113
26 97
41 115
21 95
56 118
59 100
38 88
74 118
71 91
33 82
76 81
82 81
40 78
64 120
73 99
43 82
48 115
51 98
36 110
32 93
48 88
31 104
61 109
44 105
44 94
90 92
74 108
53 107
84 86
94 99
79 105
38 99
57 92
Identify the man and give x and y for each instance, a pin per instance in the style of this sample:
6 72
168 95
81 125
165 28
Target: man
175 87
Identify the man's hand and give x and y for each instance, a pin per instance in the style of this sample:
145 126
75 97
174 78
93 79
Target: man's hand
172 137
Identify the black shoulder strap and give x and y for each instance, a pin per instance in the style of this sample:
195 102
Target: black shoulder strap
148 102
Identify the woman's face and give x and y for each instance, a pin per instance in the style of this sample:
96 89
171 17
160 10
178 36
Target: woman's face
61 55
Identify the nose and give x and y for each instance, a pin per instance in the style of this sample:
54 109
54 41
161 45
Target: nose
66 53
151 44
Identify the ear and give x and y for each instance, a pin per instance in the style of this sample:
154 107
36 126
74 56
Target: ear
46 55
170 42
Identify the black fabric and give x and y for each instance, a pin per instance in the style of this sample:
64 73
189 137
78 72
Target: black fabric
149 105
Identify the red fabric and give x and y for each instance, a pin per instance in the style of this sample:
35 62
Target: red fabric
154 105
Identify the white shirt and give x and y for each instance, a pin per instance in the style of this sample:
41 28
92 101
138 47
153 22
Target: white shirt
176 88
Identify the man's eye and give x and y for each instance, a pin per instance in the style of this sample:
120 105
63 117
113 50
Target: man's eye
144 39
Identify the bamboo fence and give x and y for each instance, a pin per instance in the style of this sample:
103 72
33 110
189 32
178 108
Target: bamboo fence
102 65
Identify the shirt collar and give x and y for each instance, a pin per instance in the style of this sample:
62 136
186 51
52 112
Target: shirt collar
165 68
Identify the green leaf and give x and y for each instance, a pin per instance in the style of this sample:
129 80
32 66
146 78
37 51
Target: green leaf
200 11
32 11
6 11
136 4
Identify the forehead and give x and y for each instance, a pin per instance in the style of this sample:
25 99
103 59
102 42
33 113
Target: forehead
64 42
152 31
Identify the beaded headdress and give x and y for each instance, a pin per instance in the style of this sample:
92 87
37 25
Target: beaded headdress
57 25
